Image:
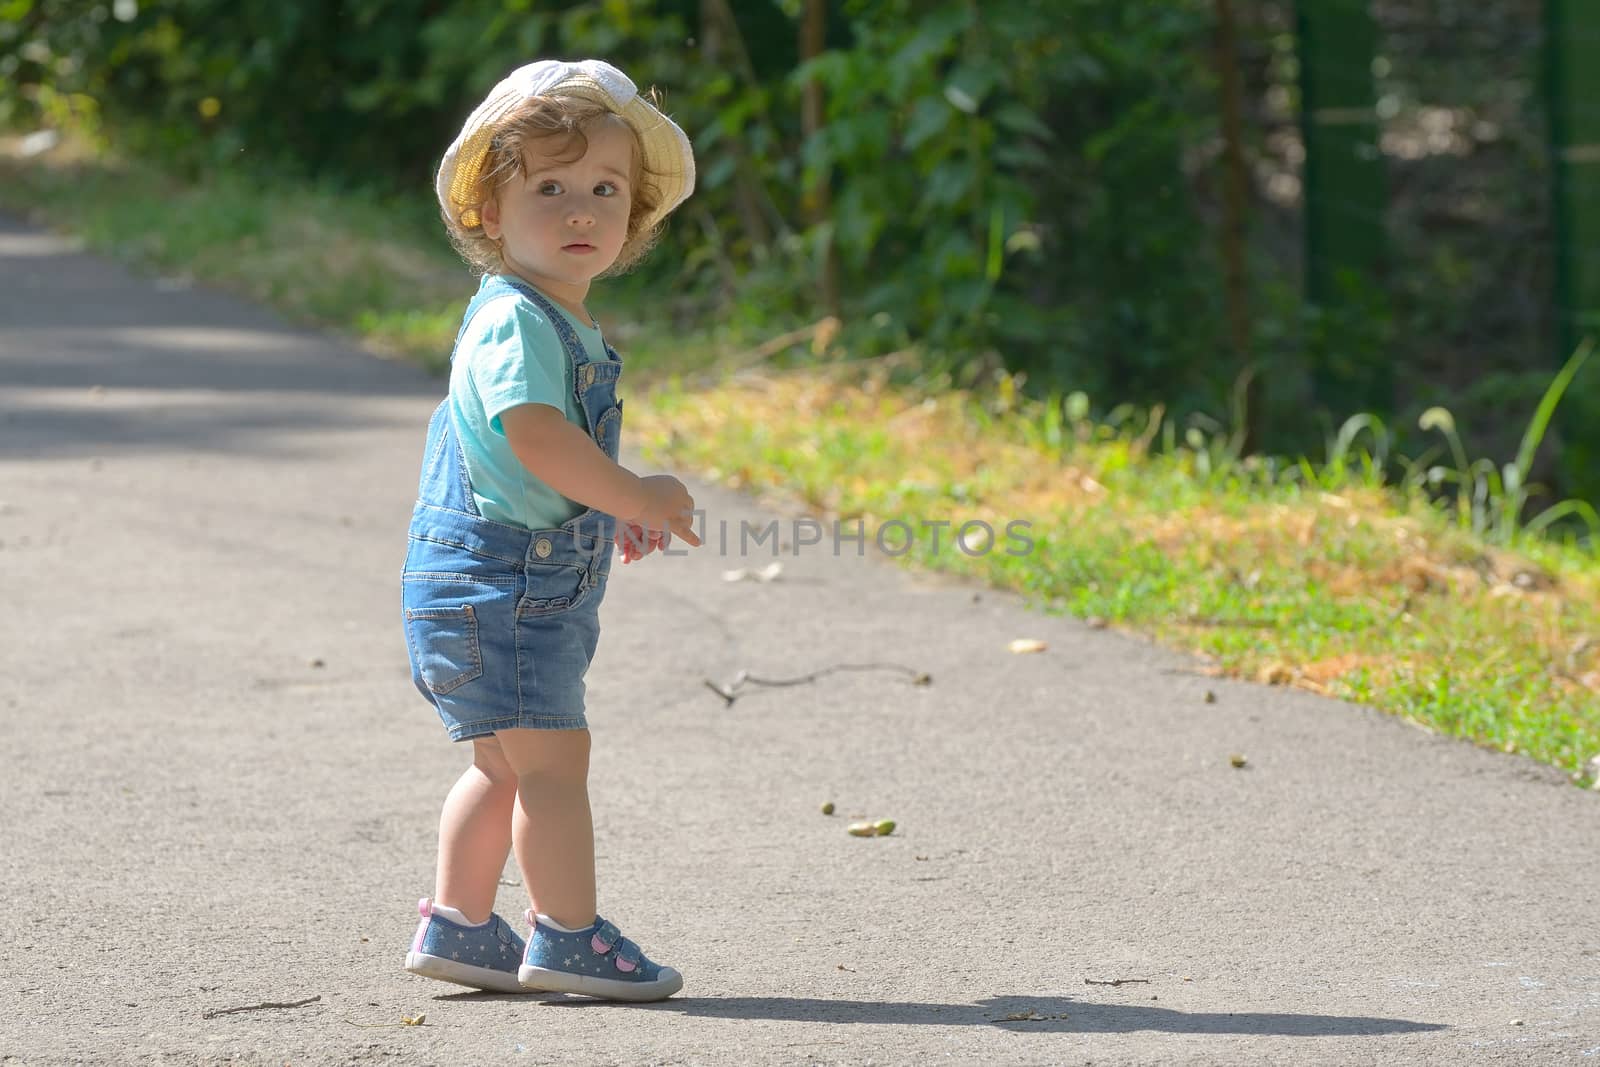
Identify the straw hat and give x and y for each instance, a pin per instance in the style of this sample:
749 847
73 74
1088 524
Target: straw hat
667 155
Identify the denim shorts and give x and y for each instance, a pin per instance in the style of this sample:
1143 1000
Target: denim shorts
500 641
501 621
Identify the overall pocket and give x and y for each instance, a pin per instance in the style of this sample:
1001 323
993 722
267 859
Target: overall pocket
608 431
553 588
444 646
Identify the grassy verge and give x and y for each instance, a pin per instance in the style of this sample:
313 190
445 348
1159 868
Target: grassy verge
1329 582
1357 593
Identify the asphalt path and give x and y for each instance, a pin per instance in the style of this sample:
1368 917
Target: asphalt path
221 791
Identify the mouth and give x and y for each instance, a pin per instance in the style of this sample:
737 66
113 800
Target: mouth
580 247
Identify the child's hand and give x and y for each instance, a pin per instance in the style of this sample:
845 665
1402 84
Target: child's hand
635 542
665 507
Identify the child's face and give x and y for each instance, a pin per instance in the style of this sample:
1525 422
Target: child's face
560 224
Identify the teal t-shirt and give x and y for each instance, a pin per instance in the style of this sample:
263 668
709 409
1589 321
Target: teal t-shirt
510 354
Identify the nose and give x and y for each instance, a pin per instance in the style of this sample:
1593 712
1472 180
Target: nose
580 218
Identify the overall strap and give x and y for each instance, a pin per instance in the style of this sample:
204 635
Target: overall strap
493 289
569 337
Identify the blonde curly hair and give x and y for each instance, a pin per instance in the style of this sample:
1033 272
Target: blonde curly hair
554 127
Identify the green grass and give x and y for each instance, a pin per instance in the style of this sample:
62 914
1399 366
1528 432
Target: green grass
1369 594
1319 576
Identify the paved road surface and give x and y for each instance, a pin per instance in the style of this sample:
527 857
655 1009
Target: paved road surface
221 790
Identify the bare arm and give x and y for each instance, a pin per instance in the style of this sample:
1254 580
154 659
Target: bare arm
568 461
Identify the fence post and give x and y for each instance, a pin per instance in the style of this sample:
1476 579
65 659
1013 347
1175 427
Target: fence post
1235 227
1345 200
1572 85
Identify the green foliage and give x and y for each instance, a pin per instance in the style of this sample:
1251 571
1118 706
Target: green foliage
1490 500
1011 185
1006 180
369 90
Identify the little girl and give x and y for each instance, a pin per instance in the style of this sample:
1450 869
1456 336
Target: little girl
563 173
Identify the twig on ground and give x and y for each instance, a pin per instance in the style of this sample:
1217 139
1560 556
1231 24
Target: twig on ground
1116 981
850 367
821 333
1204 620
214 1012
405 1020
730 692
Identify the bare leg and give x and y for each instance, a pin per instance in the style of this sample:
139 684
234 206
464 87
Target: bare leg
475 833
552 830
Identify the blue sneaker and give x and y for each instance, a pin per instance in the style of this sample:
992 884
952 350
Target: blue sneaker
595 962
483 957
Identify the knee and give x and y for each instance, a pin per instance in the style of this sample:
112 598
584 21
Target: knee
547 757
491 762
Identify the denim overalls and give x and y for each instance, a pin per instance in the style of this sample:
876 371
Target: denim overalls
502 621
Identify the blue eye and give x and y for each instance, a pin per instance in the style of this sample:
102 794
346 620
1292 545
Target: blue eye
605 189
550 188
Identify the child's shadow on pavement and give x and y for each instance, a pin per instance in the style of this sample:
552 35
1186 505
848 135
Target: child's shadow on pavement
1029 1013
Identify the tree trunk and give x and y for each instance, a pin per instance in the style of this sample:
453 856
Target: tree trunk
818 197
718 31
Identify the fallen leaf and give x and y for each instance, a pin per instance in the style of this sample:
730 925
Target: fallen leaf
409 1021
1027 644
1274 674
743 574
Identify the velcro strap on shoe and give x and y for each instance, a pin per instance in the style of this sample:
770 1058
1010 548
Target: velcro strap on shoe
627 957
605 937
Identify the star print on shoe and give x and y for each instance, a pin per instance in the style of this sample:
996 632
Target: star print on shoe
595 962
483 957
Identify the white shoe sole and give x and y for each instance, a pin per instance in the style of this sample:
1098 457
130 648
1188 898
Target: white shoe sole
544 980
462 973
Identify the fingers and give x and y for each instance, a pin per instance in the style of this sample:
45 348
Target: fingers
683 526
632 540
635 541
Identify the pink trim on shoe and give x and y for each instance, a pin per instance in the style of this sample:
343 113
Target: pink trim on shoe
424 909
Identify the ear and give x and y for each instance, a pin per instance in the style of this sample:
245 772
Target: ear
489 212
